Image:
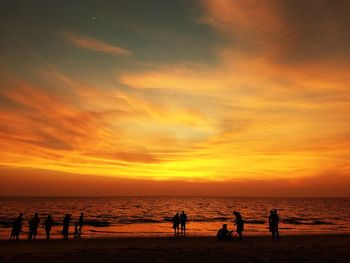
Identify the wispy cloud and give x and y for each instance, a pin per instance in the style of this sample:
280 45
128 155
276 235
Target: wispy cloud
95 44
287 31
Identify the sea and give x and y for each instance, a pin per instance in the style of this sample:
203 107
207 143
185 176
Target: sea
151 216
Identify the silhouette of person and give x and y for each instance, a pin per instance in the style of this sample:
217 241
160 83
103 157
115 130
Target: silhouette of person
239 224
16 227
48 225
272 227
277 220
66 222
183 220
77 230
176 223
224 234
33 226
81 222
273 224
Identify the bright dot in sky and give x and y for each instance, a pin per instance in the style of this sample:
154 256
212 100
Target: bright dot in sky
93 18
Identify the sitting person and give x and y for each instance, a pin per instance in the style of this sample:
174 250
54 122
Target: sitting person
224 234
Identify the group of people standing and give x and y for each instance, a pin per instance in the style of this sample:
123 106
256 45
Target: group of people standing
33 225
225 234
179 220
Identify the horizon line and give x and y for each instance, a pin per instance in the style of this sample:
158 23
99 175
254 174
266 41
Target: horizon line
179 196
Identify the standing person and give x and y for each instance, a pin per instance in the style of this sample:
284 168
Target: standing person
48 225
16 227
66 222
81 222
183 220
277 218
76 231
239 224
272 224
33 226
176 223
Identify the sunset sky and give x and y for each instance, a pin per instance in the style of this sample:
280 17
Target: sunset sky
200 92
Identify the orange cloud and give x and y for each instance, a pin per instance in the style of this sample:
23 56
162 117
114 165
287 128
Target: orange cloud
265 105
279 30
96 45
118 134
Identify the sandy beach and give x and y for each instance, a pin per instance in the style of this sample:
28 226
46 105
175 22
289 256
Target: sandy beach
320 248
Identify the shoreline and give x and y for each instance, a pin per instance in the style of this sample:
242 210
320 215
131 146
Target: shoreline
187 236
92 234
303 248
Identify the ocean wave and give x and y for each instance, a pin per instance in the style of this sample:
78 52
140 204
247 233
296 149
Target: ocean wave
293 221
5 223
97 223
211 219
254 222
140 220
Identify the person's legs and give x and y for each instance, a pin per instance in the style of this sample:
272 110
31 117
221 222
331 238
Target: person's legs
277 234
239 235
48 232
35 231
64 232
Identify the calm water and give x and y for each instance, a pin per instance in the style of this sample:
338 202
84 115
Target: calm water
150 216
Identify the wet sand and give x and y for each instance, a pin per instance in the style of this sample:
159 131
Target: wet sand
321 248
